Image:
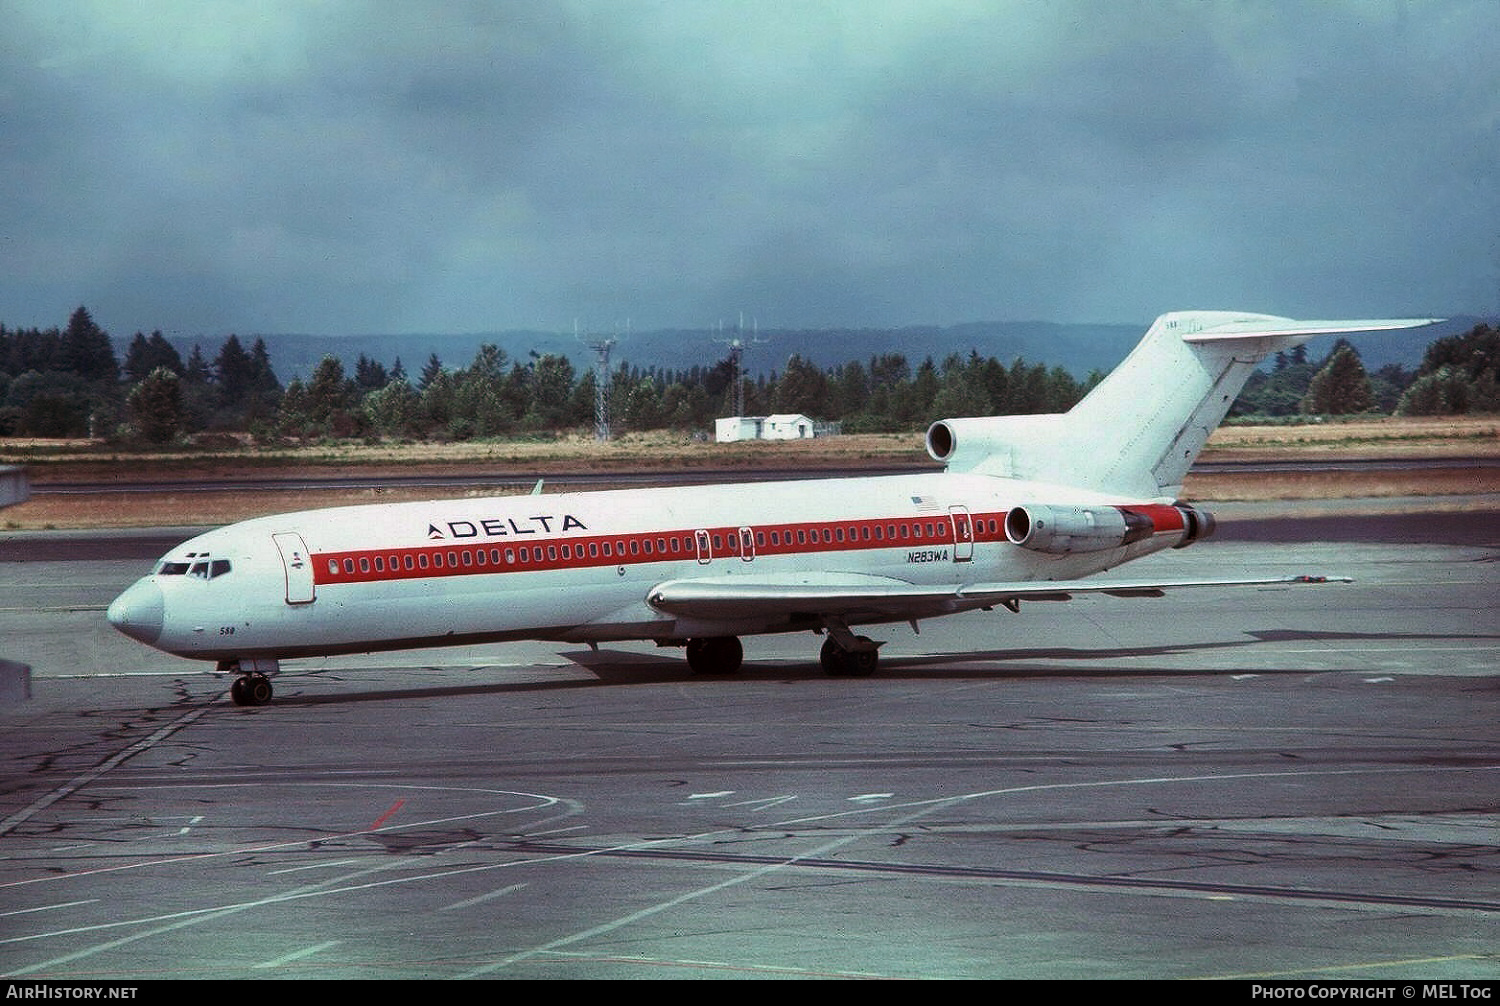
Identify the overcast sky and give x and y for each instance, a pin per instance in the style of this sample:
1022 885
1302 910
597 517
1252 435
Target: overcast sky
344 167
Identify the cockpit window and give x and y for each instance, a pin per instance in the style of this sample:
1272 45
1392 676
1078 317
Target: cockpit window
203 569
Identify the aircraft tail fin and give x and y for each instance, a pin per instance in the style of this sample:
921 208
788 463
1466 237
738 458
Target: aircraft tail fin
1139 430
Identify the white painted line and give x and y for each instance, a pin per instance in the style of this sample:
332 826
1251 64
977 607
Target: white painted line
296 955
48 908
481 899
764 802
314 866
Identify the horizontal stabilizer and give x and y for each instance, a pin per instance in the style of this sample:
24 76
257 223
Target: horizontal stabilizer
1265 326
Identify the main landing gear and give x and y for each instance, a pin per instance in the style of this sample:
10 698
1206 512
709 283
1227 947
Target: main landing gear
252 687
852 663
844 655
715 655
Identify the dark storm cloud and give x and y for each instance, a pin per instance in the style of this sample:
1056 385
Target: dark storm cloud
468 166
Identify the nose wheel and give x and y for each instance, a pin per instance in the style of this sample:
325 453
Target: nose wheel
251 690
252 683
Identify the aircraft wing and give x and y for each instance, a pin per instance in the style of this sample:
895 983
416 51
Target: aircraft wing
732 597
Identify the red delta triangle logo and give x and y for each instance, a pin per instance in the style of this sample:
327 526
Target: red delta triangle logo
433 533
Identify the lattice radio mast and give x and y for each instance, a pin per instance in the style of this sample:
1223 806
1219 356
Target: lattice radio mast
601 348
736 360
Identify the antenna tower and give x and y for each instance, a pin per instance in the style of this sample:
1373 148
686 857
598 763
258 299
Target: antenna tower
601 348
736 358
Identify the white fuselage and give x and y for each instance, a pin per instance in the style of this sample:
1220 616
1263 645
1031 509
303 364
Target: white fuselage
580 566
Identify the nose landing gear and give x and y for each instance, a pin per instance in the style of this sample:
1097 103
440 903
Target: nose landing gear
251 690
253 686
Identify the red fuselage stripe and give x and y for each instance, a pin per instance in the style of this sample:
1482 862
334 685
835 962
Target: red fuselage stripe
584 550
524 553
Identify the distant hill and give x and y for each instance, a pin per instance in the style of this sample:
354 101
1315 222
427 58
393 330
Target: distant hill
1079 349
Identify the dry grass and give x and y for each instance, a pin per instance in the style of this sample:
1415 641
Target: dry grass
1361 439
1332 485
54 461
79 461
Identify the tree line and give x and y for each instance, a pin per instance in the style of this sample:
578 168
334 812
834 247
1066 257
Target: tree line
68 382
1457 375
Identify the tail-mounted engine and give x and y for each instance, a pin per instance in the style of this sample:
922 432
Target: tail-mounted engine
1061 530
1008 446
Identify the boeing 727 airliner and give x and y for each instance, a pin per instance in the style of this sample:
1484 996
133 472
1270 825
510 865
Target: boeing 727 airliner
1028 508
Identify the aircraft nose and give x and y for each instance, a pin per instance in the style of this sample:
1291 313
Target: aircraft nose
138 612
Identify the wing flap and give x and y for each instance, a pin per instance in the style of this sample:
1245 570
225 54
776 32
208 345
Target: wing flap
743 597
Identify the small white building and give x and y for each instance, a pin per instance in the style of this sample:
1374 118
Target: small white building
785 426
727 431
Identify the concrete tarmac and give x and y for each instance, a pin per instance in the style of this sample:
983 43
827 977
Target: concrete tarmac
1287 783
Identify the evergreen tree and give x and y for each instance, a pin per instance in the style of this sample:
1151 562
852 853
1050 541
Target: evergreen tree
437 394
1458 374
86 350
394 410
196 371
803 389
643 406
199 396
960 392
329 393
1446 392
1341 387
292 412
552 392
369 375
232 368
263 382
480 405
156 406
138 359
